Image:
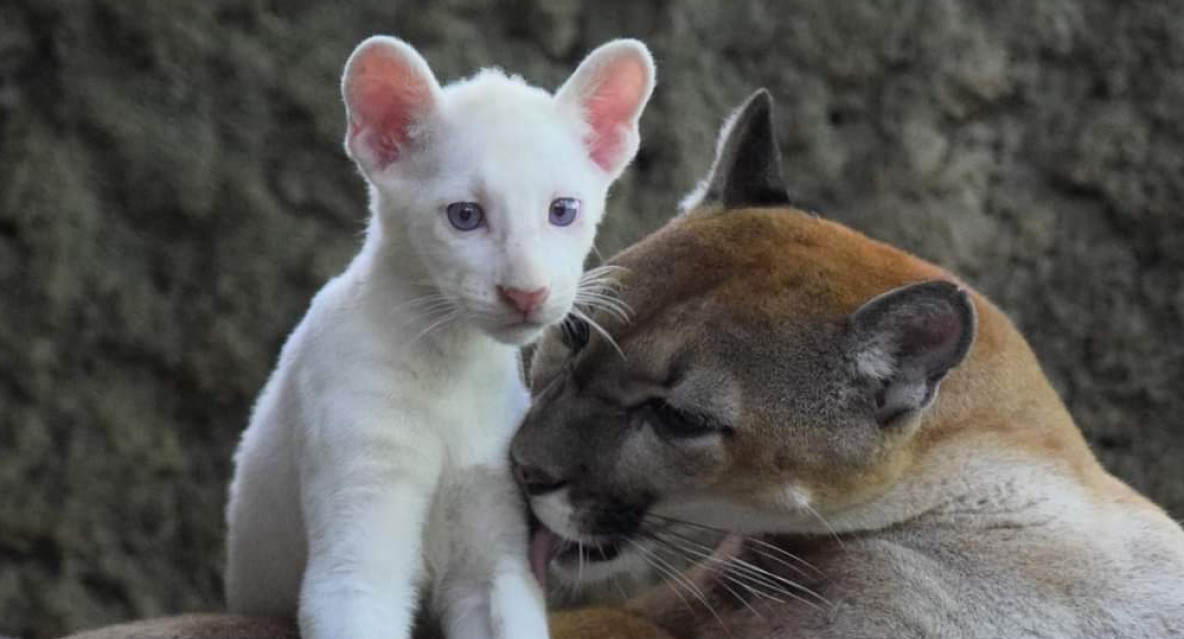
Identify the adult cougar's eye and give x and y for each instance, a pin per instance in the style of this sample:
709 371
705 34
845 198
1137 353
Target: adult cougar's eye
564 211
575 333
674 423
466 216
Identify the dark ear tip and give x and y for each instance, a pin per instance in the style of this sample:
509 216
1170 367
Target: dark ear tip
942 291
969 316
760 103
959 298
955 294
944 288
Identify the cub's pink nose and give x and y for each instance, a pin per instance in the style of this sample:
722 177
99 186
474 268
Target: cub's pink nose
524 301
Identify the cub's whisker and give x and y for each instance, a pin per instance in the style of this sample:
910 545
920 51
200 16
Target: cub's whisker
438 323
604 301
422 301
588 308
599 329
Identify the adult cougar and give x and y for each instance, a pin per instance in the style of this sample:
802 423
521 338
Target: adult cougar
881 432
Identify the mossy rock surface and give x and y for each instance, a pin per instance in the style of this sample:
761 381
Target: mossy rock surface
173 191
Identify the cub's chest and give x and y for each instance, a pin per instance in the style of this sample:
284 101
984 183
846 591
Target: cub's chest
479 415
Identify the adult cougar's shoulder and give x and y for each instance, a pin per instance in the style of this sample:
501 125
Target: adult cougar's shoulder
880 434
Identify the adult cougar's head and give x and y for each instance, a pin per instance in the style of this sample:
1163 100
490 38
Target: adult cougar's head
777 370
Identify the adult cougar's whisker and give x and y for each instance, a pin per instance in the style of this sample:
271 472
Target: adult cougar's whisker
579 565
755 592
705 553
818 515
753 539
708 553
758 551
616 581
755 573
689 584
724 574
572 590
665 577
783 552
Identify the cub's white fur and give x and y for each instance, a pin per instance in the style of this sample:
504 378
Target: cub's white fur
375 465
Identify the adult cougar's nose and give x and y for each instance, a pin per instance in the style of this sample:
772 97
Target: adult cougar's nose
524 302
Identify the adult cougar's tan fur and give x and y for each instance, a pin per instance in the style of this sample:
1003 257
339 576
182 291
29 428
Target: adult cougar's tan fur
879 437
843 402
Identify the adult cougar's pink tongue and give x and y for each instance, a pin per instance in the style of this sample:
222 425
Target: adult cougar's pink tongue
544 544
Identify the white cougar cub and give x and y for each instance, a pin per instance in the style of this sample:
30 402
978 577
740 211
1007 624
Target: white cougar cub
375 467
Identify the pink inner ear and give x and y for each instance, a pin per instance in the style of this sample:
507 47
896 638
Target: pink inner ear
386 96
610 109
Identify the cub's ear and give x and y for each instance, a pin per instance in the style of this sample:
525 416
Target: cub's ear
907 339
390 95
747 167
609 90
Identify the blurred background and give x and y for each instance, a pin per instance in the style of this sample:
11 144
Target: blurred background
173 190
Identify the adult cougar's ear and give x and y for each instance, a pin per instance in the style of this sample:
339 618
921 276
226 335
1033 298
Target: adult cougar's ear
747 167
907 339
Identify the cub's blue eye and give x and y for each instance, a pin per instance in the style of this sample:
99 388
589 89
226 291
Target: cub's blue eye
466 216
564 211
